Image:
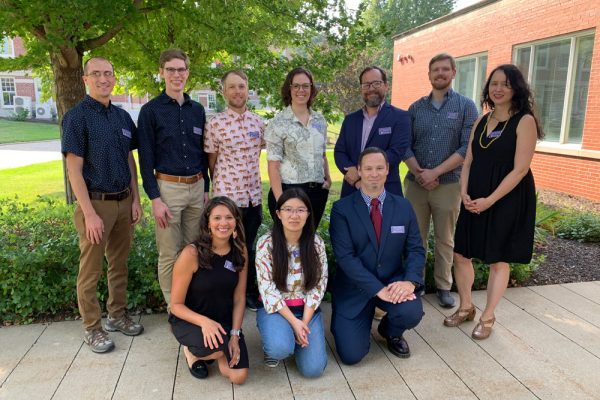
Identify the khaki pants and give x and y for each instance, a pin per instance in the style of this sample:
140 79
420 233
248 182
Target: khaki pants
186 203
116 242
441 204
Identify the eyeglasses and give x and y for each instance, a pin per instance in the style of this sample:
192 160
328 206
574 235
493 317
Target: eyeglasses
304 86
291 210
171 71
98 74
374 85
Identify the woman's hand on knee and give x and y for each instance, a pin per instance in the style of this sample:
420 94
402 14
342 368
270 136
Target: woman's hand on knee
213 333
234 350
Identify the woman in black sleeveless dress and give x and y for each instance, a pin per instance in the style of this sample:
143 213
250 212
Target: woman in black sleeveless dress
497 216
208 294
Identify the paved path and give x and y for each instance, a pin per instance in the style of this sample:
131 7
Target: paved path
545 345
20 154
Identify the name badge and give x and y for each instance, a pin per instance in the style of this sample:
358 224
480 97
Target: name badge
229 265
295 253
126 133
397 229
495 134
385 131
254 134
317 125
197 131
452 115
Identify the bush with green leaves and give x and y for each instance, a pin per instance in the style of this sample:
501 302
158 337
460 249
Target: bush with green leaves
580 226
20 115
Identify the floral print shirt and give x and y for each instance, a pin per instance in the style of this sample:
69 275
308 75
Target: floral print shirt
272 298
299 148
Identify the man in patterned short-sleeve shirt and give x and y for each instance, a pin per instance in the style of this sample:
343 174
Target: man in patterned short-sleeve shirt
233 142
97 141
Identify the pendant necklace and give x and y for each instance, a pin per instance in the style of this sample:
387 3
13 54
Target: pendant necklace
485 131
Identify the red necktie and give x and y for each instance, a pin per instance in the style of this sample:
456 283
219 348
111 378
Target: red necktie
376 217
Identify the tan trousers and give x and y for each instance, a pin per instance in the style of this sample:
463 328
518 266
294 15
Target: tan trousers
441 204
186 203
116 242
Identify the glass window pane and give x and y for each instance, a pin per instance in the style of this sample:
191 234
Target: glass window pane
523 60
481 78
465 77
581 80
550 66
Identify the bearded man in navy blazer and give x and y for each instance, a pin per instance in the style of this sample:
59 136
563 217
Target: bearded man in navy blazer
377 124
380 260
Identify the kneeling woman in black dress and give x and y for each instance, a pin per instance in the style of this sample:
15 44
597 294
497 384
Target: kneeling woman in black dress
208 294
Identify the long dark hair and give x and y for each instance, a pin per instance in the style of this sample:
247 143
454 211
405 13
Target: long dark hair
309 259
286 89
204 242
522 100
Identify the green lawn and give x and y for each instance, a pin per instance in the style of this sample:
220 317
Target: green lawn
16 131
46 179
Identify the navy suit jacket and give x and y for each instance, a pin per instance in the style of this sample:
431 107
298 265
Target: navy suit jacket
363 266
391 132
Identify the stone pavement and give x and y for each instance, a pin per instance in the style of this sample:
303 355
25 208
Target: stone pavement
20 154
545 345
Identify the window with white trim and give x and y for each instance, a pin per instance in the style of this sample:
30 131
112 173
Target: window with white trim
212 101
558 71
470 77
7 89
6 47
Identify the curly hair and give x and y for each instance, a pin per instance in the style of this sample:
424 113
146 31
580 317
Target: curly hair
522 100
309 258
204 242
286 89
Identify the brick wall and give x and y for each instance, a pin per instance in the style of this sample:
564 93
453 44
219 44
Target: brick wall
494 29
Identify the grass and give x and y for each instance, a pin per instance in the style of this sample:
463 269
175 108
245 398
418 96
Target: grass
46 179
16 131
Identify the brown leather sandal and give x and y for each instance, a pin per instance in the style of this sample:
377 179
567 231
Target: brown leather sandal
483 329
460 316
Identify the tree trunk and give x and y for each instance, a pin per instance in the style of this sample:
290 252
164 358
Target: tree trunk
70 90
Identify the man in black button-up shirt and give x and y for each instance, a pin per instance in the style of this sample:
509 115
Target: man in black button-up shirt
173 163
97 141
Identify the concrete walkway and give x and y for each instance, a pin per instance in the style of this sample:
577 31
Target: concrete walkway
545 345
21 154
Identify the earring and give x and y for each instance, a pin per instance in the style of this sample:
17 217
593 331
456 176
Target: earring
235 234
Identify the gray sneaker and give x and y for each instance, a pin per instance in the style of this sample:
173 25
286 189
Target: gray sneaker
445 299
124 325
98 340
270 361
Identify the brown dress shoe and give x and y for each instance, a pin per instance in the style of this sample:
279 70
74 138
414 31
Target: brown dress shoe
460 316
483 329
379 314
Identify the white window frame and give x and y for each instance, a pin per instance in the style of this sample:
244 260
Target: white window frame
11 47
569 87
479 81
211 101
10 106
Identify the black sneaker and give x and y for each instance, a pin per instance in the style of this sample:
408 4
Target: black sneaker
252 302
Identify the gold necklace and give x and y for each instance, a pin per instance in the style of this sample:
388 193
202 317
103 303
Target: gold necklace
485 131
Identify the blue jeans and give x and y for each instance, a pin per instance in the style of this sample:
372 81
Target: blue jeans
279 341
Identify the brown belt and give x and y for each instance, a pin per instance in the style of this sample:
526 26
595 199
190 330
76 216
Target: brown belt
179 179
110 196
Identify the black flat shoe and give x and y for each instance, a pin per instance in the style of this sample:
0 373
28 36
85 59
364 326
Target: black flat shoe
397 345
199 369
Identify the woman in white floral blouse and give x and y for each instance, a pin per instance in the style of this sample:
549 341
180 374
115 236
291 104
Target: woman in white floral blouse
291 265
296 143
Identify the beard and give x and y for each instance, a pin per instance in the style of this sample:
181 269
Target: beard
373 99
441 85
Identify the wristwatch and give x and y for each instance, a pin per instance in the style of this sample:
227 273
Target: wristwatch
235 332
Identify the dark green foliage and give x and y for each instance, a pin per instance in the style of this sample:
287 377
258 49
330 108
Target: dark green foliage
20 115
580 226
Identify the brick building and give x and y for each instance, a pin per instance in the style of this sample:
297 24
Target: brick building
556 45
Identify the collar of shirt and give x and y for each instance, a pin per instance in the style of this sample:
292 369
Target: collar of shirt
367 199
366 114
165 98
236 116
288 113
96 105
447 96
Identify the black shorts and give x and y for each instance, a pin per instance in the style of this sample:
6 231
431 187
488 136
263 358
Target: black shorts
190 335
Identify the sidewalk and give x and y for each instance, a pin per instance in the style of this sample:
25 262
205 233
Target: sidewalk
545 345
15 155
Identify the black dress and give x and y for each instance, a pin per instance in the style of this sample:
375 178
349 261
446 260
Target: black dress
504 232
210 294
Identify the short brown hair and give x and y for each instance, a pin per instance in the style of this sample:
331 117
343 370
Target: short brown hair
373 68
85 65
286 89
442 57
171 54
237 72
372 150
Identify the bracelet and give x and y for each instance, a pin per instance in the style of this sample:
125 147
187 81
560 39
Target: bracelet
235 332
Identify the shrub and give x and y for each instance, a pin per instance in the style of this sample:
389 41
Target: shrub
580 226
20 115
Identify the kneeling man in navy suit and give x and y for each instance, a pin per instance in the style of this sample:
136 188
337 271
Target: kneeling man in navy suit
380 260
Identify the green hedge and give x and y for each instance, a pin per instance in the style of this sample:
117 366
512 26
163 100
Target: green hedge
39 259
